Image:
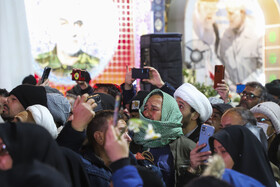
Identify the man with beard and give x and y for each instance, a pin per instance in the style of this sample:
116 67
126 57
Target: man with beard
253 94
195 108
22 97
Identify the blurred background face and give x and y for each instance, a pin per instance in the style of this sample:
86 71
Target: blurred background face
185 109
250 97
153 108
215 119
236 16
231 118
207 11
134 114
69 35
220 150
2 101
101 90
263 122
12 107
83 84
122 127
6 161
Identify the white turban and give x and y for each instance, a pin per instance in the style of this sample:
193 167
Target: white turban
43 117
195 99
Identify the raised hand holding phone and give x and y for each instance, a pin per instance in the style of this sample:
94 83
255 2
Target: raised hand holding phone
201 152
155 78
140 73
45 74
206 132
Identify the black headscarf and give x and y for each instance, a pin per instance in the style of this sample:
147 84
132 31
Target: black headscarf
32 174
246 151
27 142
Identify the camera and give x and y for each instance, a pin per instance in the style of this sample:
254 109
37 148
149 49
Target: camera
140 73
97 99
78 75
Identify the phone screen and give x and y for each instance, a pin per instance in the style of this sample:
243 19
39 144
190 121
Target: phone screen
240 88
45 74
141 73
219 74
206 132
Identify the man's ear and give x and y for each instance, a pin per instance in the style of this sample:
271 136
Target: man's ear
99 137
194 116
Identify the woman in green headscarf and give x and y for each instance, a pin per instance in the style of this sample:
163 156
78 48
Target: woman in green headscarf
171 151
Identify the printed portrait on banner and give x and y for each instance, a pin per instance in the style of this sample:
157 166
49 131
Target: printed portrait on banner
229 33
69 34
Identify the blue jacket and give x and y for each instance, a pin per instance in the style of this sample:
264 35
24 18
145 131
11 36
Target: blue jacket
125 175
98 173
238 179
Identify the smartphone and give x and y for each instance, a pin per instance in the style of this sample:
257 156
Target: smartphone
206 131
140 73
45 74
219 74
116 109
240 88
78 75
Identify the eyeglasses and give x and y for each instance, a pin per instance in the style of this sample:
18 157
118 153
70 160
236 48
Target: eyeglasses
249 95
3 149
262 119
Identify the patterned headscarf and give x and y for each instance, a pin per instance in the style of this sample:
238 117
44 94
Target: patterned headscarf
170 126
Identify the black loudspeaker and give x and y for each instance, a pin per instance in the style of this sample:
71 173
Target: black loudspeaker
163 52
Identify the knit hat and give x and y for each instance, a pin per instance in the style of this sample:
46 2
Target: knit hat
107 102
43 117
112 89
272 111
30 79
215 100
30 95
222 107
273 87
59 107
137 101
195 99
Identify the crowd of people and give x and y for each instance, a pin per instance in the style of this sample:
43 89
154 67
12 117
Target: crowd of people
84 138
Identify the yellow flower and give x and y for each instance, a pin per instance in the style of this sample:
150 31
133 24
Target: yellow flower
134 125
150 133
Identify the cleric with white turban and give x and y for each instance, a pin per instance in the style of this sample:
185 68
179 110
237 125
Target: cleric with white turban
197 100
